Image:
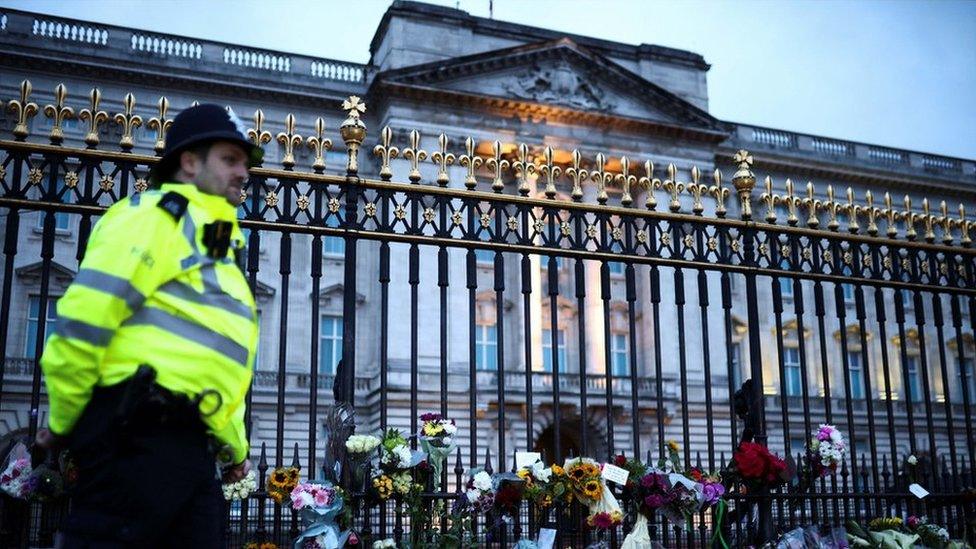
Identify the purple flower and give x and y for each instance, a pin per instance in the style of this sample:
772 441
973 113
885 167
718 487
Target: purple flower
430 416
824 432
654 501
712 491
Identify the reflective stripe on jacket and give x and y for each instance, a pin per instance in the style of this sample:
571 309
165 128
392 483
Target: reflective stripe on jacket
147 293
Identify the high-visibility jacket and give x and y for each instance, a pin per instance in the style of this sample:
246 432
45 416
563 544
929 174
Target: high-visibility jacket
147 292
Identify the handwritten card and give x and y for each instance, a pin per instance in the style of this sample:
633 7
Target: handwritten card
615 474
524 459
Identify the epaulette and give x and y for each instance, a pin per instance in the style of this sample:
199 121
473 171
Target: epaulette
174 204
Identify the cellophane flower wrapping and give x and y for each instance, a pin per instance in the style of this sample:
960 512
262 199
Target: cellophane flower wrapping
437 440
826 450
318 505
15 480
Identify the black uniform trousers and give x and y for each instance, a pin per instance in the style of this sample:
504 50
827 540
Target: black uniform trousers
151 482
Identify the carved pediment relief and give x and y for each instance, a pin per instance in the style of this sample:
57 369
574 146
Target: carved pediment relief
558 84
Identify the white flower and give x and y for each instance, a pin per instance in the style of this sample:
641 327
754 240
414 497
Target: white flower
361 444
446 441
449 428
402 452
387 543
943 533
912 460
540 472
836 437
482 481
473 495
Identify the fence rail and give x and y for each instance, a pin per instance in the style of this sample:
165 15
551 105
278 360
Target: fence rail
587 307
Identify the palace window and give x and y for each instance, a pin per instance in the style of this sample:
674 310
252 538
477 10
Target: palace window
486 347
616 268
855 374
791 365
333 245
547 356
330 343
618 354
735 364
33 316
967 380
914 380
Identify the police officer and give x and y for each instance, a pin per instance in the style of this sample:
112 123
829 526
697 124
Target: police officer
152 356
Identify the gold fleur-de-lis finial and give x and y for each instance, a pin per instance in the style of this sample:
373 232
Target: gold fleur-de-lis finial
58 113
720 193
910 218
577 174
289 139
524 168
674 187
964 226
550 171
812 205
470 161
928 221
94 117
696 189
319 144
626 180
161 124
387 151
443 159
128 121
831 206
601 178
744 181
891 217
24 109
853 211
769 199
792 202
258 135
649 183
415 155
353 132
946 223
498 165
872 214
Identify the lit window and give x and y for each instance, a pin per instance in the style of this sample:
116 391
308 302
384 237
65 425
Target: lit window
791 364
618 354
51 320
785 284
330 343
855 374
616 268
547 357
484 257
486 347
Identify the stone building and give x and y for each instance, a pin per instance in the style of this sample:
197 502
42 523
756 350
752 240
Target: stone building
499 81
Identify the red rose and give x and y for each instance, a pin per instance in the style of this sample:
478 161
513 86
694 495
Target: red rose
750 461
620 460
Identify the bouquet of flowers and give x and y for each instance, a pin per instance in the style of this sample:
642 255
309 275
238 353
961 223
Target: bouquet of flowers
757 467
15 479
826 450
437 440
395 453
319 505
480 491
261 545
240 489
584 481
361 444
281 482
542 485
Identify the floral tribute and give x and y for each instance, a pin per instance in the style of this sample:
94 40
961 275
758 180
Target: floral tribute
756 467
898 533
437 440
20 479
826 450
320 507
281 482
240 489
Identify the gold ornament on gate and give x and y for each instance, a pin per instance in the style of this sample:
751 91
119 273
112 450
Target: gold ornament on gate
353 132
58 113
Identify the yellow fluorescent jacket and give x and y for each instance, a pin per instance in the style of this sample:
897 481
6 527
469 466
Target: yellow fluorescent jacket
146 293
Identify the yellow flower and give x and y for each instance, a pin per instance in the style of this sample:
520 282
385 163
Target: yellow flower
591 470
673 446
558 471
268 545
592 489
525 475
384 486
251 545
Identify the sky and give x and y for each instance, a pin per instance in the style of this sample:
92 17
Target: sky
899 73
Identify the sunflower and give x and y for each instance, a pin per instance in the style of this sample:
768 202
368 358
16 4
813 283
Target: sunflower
592 489
558 471
673 446
577 473
268 545
591 469
279 478
525 475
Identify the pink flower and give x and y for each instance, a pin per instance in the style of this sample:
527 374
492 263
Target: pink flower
824 432
322 498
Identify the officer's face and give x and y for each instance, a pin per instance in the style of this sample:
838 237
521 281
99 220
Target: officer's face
222 173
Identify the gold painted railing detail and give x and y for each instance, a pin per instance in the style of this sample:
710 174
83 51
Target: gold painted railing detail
616 180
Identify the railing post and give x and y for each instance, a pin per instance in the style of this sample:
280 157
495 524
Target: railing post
744 181
353 132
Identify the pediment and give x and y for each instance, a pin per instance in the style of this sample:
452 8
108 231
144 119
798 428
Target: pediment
338 291
60 275
558 74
